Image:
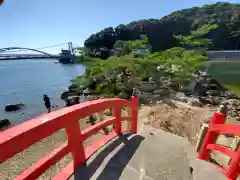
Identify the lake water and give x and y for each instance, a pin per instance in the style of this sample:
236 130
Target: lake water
25 81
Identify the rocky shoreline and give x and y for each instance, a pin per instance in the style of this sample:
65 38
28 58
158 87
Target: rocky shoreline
202 91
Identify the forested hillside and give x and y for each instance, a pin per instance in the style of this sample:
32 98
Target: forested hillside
160 31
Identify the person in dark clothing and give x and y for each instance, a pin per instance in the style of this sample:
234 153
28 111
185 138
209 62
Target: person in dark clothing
47 102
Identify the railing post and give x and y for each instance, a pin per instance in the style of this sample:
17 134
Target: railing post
117 114
134 114
202 134
234 146
75 142
211 137
233 169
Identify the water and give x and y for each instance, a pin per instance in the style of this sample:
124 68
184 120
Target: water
25 81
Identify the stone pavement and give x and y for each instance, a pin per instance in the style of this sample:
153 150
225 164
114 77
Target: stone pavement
151 155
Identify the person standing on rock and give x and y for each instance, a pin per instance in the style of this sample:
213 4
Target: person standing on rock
47 102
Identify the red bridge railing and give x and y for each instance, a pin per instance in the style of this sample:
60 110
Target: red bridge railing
216 127
18 138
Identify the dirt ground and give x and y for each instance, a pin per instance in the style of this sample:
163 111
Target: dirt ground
183 119
186 121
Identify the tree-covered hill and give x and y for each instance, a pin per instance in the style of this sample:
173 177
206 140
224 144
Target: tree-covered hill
160 32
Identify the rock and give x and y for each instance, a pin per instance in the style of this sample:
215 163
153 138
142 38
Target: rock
231 95
73 88
64 95
91 97
162 92
238 108
72 100
195 102
205 100
214 93
234 102
231 107
108 112
205 84
181 97
148 87
215 100
4 123
14 107
233 113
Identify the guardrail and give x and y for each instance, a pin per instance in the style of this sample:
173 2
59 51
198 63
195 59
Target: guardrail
18 138
216 127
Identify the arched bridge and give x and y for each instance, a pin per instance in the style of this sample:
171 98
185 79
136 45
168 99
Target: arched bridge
8 56
25 49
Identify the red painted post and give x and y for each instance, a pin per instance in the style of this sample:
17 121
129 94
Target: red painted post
211 137
75 142
134 114
233 169
117 114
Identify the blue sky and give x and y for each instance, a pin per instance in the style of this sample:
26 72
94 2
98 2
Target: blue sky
41 23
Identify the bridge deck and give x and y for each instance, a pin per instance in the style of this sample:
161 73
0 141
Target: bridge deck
152 155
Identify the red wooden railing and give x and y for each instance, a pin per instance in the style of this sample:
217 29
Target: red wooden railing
216 127
18 138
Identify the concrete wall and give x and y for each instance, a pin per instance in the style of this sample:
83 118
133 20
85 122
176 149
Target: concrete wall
224 55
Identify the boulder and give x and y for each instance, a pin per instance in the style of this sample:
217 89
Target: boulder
195 102
64 95
72 100
148 87
108 112
14 107
4 123
214 93
215 100
231 95
162 92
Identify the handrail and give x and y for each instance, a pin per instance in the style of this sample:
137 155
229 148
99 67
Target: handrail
30 132
216 127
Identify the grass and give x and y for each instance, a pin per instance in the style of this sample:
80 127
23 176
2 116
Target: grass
227 73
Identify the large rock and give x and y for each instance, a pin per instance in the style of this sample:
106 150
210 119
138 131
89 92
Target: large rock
195 102
206 85
4 123
148 87
214 93
231 95
181 97
14 107
72 100
162 92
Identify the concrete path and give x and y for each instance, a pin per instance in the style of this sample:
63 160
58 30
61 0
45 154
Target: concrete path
151 155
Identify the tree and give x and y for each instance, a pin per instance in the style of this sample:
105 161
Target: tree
160 31
126 47
196 38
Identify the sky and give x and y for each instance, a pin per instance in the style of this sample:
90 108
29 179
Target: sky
43 23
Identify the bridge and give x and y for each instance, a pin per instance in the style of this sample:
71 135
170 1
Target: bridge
136 152
13 53
5 56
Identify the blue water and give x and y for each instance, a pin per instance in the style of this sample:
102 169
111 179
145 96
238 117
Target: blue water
24 81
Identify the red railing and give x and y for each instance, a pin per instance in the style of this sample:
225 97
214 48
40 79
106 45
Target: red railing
216 127
18 138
